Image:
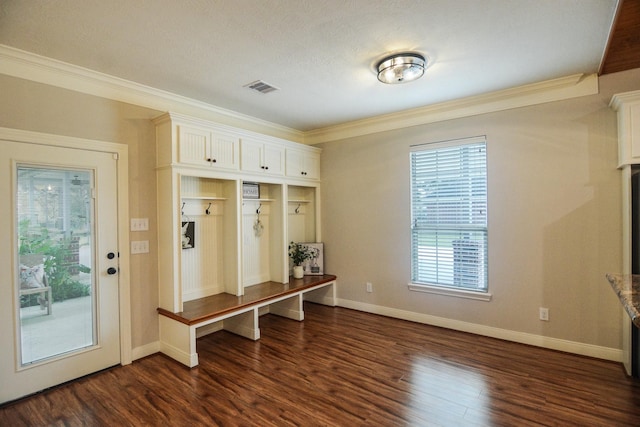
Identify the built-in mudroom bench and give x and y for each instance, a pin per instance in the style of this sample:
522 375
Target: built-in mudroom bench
239 314
230 202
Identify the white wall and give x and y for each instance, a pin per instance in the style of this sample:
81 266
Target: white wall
554 222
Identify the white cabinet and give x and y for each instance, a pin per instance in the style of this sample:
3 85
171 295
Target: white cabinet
234 242
303 163
628 107
261 157
204 147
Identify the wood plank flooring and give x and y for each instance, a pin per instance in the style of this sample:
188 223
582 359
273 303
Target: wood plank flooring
345 368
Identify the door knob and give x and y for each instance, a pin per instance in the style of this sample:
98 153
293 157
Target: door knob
111 271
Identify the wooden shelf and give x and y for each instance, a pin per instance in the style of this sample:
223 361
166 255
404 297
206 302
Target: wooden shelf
212 198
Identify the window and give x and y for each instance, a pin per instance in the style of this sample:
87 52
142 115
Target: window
449 214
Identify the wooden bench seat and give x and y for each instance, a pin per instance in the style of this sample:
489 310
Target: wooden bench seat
239 314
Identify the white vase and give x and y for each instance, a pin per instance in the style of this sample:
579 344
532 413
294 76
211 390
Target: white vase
298 272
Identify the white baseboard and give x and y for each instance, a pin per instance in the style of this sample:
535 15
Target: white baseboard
145 350
175 353
574 347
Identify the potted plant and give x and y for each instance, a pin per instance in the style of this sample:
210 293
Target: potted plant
299 253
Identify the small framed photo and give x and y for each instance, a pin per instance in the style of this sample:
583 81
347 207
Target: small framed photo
315 266
250 190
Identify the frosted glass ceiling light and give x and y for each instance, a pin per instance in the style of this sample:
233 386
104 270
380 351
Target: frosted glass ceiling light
401 68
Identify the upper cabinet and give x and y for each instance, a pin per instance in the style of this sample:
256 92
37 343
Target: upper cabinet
303 164
628 107
185 141
206 147
261 157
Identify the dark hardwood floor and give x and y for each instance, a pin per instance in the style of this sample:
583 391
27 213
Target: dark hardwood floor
345 368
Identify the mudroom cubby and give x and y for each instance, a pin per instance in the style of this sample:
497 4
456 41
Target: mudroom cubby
226 214
302 224
263 255
216 235
208 237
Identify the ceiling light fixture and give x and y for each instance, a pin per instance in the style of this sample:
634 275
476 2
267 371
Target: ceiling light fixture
401 68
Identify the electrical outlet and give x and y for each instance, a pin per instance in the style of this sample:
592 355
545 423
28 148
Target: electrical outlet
369 287
544 314
140 247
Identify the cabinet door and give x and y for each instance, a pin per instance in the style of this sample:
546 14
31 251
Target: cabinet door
301 164
251 156
273 159
194 146
632 131
295 163
224 151
259 157
312 165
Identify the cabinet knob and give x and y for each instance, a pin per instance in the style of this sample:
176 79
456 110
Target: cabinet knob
111 271
208 159
266 167
214 160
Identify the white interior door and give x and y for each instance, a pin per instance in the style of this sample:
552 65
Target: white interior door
59 306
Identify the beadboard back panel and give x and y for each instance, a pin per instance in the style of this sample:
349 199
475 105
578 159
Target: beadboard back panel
255 244
203 264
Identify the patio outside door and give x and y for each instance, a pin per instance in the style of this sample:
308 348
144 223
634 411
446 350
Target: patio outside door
59 313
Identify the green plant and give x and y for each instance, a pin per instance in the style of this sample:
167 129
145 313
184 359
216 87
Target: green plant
299 253
61 270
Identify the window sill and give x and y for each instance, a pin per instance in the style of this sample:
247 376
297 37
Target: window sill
451 292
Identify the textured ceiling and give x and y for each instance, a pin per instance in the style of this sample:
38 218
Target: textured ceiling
319 53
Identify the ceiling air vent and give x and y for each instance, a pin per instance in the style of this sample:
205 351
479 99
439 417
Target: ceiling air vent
261 86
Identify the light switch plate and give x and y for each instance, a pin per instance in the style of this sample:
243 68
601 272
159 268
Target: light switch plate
139 224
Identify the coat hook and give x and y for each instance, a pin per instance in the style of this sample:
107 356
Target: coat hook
298 208
258 210
208 212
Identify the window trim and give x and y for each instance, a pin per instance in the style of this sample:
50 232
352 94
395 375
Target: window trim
481 294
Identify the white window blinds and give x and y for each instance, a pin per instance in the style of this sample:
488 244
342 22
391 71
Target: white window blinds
449 214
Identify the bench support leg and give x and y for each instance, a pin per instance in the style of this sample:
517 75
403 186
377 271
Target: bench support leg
291 308
178 341
244 324
325 295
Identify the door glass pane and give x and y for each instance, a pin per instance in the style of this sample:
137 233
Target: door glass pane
55 247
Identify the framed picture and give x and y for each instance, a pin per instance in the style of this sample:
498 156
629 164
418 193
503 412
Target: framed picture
188 234
250 190
315 266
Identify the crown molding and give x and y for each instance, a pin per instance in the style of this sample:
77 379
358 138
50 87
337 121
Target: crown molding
620 99
26 65
537 93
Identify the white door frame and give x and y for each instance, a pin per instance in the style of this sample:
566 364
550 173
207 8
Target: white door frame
122 169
